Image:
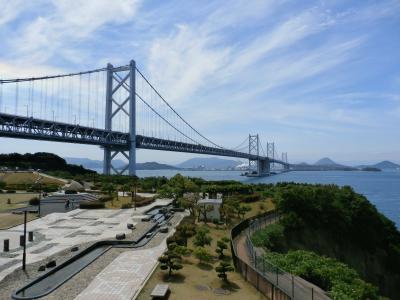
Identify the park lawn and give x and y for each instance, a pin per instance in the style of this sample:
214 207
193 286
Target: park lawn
198 281
17 200
8 220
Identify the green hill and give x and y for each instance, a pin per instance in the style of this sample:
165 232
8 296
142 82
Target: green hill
40 161
340 224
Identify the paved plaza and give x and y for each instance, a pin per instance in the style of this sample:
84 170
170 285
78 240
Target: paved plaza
59 231
125 276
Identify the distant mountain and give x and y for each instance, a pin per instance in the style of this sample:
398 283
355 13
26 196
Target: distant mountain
324 164
92 163
207 163
154 166
326 161
386 165
118 164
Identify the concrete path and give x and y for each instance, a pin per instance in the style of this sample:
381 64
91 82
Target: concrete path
59 231
123 278
126 275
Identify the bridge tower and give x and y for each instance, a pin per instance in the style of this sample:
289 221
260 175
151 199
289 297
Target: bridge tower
121 79
257 165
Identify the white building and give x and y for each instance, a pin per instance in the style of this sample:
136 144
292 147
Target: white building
213 214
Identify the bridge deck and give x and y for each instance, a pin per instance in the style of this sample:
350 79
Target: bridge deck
30 128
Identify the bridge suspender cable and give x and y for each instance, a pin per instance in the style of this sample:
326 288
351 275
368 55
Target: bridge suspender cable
153 88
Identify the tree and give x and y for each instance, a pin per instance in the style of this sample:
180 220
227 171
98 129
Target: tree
2 185
189 202
185 231
202 238
203 210
222 269
171 260
242 210
109 188
221 246
202 254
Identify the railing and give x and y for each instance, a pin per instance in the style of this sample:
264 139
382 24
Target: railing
269 279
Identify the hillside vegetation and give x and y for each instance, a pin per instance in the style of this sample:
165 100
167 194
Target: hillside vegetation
44 161
326 220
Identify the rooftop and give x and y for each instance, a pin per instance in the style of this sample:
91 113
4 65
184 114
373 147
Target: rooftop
210 201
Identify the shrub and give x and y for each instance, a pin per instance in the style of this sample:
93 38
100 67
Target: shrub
34 201
91 205
341 281
11 191
271 237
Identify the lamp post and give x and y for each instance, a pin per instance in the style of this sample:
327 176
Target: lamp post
133 191
24 253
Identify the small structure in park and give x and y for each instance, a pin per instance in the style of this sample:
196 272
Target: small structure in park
160 291
212 214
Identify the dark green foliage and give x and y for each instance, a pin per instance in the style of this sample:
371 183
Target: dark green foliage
34 201
271 237
339 223
221 246
185 231
91 205
2 185
202 254
338 279
202 237
222 269
171 260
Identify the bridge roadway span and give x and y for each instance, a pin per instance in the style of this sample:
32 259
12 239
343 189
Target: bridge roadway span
30 128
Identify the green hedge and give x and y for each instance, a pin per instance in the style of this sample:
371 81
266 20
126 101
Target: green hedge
341 281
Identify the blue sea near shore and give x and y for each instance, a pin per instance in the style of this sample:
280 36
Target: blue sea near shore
381 188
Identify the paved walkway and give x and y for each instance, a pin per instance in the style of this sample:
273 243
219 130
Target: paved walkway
59 231
126 275
123 278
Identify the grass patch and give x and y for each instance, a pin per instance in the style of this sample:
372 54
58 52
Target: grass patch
8 220
16 200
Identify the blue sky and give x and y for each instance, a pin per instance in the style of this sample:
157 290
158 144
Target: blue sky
320 78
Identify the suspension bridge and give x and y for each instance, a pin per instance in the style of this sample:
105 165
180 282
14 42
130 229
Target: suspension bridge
118 109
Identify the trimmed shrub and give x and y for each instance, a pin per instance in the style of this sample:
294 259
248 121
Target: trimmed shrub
91 205
11 191
34 201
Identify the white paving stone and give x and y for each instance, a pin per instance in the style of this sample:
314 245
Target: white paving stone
123 278
50 225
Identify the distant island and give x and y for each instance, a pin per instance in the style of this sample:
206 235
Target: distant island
327 164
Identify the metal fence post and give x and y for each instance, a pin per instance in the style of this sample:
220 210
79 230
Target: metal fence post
292 286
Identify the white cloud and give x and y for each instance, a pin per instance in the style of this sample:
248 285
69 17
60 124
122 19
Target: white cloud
9 10
66 24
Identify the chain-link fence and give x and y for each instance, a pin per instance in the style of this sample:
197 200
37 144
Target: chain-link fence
272 281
